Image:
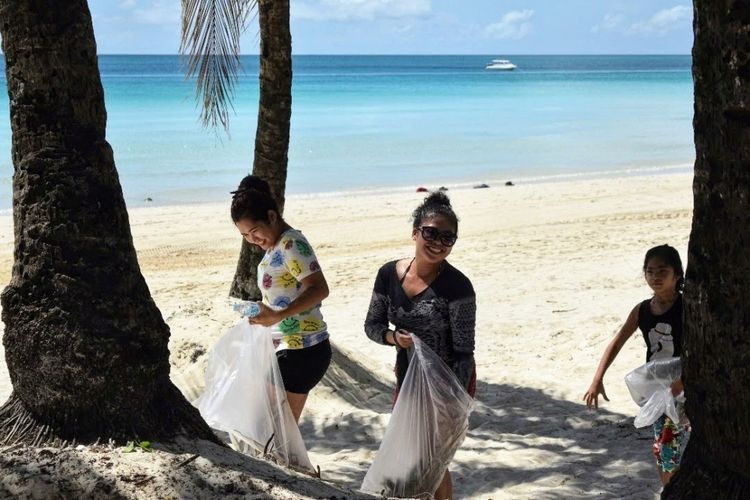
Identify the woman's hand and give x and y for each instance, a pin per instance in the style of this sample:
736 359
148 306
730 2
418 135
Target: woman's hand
592 395
402 338
677 387
267 316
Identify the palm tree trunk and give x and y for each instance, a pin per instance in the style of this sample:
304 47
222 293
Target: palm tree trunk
85 345
717 294
272 133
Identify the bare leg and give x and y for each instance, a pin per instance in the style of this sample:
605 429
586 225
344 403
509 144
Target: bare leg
445 490
665 477
296 403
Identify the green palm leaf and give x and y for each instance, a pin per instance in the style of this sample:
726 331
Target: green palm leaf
210 42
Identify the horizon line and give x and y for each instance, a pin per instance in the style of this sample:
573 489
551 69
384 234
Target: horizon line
493 54
417 55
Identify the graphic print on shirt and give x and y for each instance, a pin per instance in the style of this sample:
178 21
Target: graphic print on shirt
661 341
280 275
277 259
295 267
282 301
286 280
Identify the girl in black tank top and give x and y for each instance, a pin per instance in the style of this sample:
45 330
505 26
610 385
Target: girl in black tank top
662 332
660 321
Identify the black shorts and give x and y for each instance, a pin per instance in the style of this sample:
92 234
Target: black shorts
302 369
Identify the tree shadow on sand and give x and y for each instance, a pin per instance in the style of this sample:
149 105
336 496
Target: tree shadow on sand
571 452
245 477
106 473
517 436
355 384
359 424
579 453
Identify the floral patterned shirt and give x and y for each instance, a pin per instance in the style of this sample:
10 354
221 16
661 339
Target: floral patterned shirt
279 278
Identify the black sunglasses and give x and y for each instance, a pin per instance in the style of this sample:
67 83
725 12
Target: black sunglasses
429 233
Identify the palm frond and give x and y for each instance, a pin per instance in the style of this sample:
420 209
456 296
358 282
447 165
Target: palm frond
210 43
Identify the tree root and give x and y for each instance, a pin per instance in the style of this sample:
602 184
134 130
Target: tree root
169 418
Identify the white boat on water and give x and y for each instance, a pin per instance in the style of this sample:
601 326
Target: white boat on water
501 65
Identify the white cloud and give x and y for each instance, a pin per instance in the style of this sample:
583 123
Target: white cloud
343 10
514 24
610 22
127 4
663 21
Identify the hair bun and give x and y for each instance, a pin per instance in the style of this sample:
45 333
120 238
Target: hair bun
254 182
437 198
251 183
435 204
253 200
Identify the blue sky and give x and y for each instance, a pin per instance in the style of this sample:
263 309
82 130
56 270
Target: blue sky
427 27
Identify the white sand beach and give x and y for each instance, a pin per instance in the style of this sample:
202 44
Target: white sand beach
556 268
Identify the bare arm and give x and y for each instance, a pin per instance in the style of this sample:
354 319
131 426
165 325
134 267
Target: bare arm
610 353
314 290
677 387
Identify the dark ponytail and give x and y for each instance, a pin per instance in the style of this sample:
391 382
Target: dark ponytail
252 200
436 203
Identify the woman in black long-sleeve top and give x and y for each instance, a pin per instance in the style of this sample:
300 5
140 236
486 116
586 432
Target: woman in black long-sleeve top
430 298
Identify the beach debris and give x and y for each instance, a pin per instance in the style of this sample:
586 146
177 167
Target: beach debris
422 189
481 186
138 479
144 481
185 462
509 183
10 448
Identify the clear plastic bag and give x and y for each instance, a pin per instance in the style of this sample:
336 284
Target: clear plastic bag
650 386
428 424
245 397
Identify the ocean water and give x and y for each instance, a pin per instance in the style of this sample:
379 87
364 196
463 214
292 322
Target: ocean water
390 122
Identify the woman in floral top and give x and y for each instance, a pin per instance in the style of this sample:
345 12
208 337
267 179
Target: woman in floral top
293 287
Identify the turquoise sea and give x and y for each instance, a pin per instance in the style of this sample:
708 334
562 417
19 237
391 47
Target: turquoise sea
382 122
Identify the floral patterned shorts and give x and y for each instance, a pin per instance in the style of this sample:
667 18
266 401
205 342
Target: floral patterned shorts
670 440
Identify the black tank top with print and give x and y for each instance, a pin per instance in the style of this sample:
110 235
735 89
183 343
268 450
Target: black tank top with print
662 333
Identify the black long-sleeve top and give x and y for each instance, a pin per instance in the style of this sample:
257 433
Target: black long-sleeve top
443 316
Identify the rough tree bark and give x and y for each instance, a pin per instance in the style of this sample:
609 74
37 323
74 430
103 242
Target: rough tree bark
716 353
85 345
272 133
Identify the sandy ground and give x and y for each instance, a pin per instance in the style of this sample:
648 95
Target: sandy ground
556 268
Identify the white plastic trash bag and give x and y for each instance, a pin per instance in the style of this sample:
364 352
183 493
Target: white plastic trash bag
245 397
650 385
428 424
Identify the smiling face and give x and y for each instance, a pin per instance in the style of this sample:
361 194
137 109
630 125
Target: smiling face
660 276
263 234
433 250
